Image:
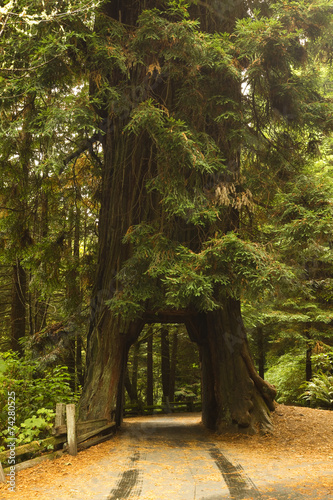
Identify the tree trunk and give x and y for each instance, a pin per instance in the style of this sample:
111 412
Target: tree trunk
308 355
40 306
173 366
150 371
74 294
234 395
308 362
165 363
18 307
261 351
79 361
110 336
128 387
135 370
106 363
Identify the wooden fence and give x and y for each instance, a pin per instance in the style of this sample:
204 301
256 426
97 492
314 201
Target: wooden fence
68 434
167 407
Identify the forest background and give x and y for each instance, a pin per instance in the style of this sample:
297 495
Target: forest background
51 168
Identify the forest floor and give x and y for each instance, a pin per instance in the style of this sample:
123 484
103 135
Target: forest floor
172 457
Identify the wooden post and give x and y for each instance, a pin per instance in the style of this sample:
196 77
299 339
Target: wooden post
71 429
2 475
60 418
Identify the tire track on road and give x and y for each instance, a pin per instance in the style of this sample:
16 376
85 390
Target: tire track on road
139 476
129 484
240 486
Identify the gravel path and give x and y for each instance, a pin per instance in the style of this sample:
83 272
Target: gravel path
171 457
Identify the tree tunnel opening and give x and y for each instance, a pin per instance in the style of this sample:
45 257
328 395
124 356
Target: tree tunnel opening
234 397
162 373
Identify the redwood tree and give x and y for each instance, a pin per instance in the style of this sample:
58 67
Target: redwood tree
198 108
183 106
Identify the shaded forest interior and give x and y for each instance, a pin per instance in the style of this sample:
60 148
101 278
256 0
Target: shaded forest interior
163 365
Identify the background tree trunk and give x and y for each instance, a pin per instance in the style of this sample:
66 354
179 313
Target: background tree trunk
74 293
150 372
135 369
173 366
128 386
18 307
308 355
261 350
165 363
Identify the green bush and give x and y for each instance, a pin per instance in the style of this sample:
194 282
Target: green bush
36 393
35 427
319 391
287 375
188 391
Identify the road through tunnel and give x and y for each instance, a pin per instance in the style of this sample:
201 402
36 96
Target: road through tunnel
162 373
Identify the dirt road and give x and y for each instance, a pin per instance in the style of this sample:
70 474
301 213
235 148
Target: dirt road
173 457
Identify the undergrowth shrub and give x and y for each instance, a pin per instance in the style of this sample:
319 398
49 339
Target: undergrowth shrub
319 391
36 394
33 428
288 374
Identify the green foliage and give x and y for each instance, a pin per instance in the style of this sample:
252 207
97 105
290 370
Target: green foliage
288 374
34 428
34 390
319 391
323 362
172 275
180 150
186 392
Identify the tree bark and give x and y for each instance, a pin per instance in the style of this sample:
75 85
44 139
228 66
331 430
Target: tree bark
40 306
261 351
150 371
173 366
79 361
18 307
308 355
235 397
128 386
110 336
124 203
135 369
107 353
165 363
73 291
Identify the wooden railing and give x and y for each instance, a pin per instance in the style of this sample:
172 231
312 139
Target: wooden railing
79 434
167 407
68 434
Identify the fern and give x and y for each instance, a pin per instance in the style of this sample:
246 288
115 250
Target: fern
319 391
